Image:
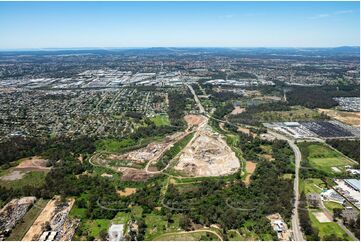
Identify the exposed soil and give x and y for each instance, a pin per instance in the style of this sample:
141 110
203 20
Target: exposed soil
207 155
238 110
250 168
131 174
126 192
45 216
194 120
321 217
351 118
33 163
13 176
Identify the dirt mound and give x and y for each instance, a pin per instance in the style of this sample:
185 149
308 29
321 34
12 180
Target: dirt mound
130 174
34 163
237 110
126 192
193 120
207 155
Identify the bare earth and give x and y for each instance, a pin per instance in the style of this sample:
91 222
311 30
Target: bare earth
193 120
33 163
321 217
250 168
351 118
238 110
126 192
207 155
13 176
46 215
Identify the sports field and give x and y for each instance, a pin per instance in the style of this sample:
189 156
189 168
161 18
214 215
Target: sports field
328 228
323 158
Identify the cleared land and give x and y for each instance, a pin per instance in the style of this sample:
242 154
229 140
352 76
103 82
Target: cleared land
49 214
237 110
323 158
328 228
207 155
161 120
26 172
194 120
297 113
21 228
250 168
126 192
351 118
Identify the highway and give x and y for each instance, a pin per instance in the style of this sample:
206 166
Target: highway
201 108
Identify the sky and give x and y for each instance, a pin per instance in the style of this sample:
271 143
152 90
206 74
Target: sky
178 24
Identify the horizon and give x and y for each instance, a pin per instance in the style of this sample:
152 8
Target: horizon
115 25
175 47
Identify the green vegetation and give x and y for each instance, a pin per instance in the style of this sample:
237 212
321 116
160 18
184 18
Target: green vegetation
112 145
161 120
173 151
92 229
320 97
30 179
323 158
187 236
350 148
328 229
312 186
21 228
332 205
296 113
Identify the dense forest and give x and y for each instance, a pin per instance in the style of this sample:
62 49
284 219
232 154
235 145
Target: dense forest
320 97
231 204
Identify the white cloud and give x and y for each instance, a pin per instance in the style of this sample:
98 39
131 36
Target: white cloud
326 15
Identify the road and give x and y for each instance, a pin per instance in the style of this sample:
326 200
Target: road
194 231
338 221
200 106
296 228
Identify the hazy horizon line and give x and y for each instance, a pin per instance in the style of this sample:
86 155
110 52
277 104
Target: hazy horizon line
176 47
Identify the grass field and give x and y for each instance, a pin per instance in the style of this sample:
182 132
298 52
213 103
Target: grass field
331 205
297 113
161 120
21 228
328 229
156 225
112 145
32 178
94 227
312 186
323 158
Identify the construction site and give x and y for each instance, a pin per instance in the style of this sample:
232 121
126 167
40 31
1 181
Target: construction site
12 213
53 223
134 158
34 163
207 154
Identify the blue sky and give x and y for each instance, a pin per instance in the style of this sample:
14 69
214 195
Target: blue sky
183 24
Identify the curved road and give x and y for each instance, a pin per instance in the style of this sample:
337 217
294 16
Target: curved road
296 228
194 231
